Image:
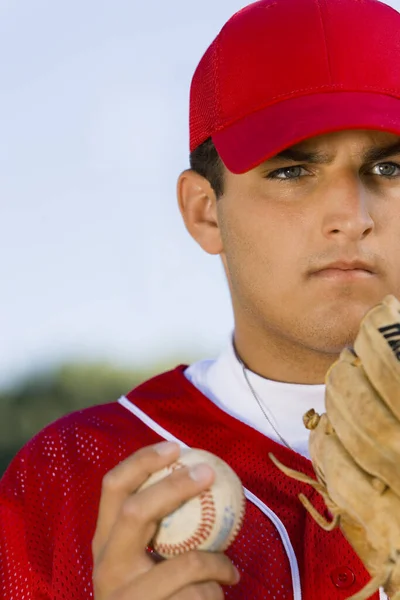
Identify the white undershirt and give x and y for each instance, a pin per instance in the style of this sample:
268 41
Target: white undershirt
223 382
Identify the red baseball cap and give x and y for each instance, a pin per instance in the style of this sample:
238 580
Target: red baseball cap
281 71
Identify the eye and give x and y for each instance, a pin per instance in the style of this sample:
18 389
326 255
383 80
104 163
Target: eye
286 173
389 169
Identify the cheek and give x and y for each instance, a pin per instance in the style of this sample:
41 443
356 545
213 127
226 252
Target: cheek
390 255
262 254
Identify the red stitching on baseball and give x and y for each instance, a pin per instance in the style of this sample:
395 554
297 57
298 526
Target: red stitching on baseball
207 522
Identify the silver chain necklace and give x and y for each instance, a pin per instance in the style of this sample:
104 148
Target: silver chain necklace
257 399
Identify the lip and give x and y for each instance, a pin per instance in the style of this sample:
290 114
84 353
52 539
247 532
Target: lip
347 265
346 270
335 274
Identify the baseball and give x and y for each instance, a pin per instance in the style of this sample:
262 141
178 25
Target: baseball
209 521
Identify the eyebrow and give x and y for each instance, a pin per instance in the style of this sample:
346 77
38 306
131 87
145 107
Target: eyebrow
370 155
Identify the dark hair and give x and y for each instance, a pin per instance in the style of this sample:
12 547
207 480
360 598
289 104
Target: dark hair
206 161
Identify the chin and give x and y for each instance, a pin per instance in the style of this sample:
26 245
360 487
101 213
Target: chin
339 330
338 326
337 341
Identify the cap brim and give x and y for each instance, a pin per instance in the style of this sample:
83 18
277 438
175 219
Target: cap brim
254 139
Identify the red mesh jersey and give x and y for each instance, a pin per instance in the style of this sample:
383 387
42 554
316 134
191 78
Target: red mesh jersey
49 500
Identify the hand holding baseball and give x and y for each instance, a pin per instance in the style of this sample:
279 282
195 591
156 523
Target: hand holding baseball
129 517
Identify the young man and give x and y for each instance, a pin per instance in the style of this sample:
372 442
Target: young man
295 184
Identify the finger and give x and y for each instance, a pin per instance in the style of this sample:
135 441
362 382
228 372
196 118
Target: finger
141 513
124 480
176 576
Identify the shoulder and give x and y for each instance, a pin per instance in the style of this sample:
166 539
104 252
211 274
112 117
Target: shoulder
78 446
105 426
82 446
88 441
101 432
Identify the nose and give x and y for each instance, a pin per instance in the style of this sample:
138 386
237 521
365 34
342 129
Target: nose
347 205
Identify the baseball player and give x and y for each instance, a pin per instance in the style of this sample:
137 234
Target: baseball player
294 182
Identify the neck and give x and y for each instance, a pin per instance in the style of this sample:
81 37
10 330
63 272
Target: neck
282 360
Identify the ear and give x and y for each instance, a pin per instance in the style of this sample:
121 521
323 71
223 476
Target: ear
198 205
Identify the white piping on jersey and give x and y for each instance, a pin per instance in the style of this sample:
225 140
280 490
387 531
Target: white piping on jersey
294 567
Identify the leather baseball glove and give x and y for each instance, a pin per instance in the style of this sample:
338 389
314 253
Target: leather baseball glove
355 448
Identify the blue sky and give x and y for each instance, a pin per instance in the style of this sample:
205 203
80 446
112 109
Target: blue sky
94 260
